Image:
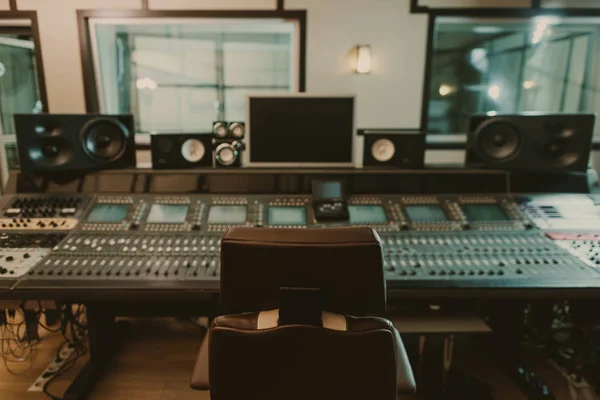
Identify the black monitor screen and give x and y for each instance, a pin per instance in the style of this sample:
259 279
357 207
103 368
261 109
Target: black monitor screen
425 213
484 212
316 130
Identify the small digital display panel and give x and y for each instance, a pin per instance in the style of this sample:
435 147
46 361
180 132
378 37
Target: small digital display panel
484 212
108 213
167 214
367 215
425 213
328 190
227 215
287 216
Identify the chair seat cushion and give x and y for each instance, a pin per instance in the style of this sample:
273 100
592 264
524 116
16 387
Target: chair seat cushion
253 340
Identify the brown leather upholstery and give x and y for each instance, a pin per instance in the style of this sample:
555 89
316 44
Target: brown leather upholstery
254 355
344 262
369 350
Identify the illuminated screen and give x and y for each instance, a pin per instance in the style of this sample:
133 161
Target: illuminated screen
328 190
425 213
367 214
227 215
167 214
108 213
287 216
484 212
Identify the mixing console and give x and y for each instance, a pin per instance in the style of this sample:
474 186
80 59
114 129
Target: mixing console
140 241
41 212
21 252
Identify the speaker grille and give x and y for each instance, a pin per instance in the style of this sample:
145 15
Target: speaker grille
498 140
51 151
104 139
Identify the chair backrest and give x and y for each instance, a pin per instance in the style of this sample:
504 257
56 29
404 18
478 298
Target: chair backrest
344 264
294 339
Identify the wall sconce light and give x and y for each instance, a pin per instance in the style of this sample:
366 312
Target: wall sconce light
361 59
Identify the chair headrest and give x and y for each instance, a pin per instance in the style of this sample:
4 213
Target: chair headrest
345 264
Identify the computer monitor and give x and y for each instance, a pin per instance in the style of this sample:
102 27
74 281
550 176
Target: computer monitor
300 130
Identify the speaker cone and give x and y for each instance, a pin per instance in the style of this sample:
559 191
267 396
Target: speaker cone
51 151
557 147
104 139
165 145
498 140
237 130
220 129
226 154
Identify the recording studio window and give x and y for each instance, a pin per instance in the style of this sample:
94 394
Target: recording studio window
180 75
19 86
484 65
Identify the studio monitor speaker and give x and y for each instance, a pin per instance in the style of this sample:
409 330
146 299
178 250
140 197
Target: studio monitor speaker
387 148
536 142
50 143
181 151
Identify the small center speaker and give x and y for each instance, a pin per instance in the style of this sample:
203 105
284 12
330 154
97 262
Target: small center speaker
390 148
536 142
49 143
181 151
228 143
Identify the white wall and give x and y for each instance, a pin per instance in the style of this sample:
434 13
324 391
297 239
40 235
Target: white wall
4 5
389 97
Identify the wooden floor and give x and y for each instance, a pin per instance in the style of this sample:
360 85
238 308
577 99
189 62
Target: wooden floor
156 361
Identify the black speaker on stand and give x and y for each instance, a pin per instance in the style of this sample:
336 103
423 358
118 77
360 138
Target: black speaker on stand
536 142
181 151
74 143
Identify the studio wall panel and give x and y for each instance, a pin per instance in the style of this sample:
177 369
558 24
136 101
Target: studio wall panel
390 96
212 4
4 5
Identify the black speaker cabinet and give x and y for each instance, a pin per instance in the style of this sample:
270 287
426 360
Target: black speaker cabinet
536 142
388 148
50 143
181 151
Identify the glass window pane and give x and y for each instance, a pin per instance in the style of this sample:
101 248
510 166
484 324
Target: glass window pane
504 65
571 3
12 156
235 101
180 75
176 109
19 91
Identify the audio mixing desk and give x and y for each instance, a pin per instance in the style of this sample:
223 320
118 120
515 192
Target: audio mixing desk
139 246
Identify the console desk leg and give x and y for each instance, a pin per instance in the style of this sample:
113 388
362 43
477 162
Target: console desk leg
105 338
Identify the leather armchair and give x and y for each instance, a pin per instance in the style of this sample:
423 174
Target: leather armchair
287 332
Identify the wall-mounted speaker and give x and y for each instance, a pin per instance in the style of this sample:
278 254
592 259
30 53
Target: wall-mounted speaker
536 142
50 143
181 151
391 148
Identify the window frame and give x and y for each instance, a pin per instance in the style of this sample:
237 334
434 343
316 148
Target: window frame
535 10
90 80
14 22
